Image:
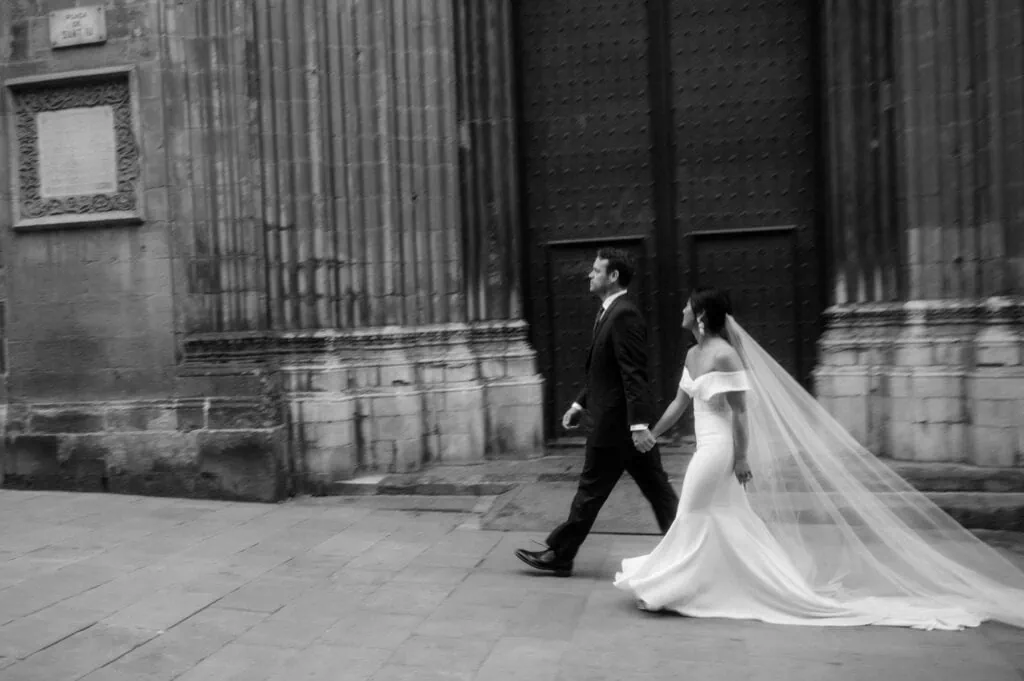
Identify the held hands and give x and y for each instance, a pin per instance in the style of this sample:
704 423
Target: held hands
644 440
571 419
742 470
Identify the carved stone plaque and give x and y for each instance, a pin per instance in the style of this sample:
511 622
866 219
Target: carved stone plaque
78 26
77 152
77 158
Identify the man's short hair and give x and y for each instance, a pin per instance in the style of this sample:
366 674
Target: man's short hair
618 261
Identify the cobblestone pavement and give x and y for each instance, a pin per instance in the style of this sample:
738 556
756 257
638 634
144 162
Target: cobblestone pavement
118 588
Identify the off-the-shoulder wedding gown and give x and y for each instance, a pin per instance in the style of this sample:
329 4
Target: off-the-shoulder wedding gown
719 559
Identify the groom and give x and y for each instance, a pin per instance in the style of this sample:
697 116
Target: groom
619 399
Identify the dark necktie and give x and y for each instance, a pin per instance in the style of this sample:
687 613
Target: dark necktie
597 319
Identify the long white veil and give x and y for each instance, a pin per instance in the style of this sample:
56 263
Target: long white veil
853 527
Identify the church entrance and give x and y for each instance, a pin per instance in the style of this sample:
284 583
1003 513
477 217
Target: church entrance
687 133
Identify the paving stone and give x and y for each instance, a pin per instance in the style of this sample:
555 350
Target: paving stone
268 595
443 652
460 620
515 658
27 635
418 574
407 599
371 630
79 654
161 610
288 632
238 662
395 672
329 663
388 596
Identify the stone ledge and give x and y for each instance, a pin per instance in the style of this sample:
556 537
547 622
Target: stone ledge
498 477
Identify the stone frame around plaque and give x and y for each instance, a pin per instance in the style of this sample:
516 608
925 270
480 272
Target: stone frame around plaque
114 87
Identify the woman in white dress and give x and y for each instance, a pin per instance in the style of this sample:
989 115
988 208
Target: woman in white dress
785 518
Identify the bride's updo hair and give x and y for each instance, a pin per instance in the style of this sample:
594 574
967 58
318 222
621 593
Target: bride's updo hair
714 305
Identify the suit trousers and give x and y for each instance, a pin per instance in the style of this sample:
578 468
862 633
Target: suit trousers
602 469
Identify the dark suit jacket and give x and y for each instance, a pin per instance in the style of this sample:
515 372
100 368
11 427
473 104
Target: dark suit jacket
617 393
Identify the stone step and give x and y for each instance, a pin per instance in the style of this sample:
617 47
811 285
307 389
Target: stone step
497 477
542 506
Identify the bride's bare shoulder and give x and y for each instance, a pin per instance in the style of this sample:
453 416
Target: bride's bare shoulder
727 359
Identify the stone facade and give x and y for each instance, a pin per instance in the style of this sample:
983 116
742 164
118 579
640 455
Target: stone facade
317 271
922 357
323 276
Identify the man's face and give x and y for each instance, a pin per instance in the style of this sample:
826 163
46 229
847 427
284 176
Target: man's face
600 280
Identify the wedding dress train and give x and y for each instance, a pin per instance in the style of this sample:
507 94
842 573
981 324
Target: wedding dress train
831 538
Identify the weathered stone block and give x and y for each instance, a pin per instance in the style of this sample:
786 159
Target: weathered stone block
142 418
996 413
851 412
31 457
516 431
902 440
924 386
521 367
994 446
460 447
995 385
329 454
458 373
72 420
139 453
332 380
951 353
190 417
229 415
944 410
324 411
398 427
408 455
219 385
492 369
1007 354
242 465
397 374
932 442
913 354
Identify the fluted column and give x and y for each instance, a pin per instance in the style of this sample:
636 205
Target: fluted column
864 228
925 148
488 158
359 162
921 355
218 233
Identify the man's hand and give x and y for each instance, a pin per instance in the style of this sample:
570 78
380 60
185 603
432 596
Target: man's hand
742 470
571 420
643 440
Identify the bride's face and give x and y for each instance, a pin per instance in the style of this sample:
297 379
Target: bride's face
689 319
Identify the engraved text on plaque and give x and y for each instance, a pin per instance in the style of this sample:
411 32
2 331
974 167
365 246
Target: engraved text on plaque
77 152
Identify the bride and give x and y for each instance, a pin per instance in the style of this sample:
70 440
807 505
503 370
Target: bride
784 518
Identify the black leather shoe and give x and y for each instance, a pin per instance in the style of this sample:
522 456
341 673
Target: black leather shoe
545 560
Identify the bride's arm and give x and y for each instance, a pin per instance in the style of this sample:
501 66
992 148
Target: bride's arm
738 402
672 413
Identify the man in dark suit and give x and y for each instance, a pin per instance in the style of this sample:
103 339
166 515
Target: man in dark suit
619 399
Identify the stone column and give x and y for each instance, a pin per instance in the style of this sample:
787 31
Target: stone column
365 155
925 160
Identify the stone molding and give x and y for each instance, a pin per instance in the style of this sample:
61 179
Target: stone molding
30 96
267 346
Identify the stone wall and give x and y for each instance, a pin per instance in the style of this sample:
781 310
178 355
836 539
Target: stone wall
929 381
268 326
374 401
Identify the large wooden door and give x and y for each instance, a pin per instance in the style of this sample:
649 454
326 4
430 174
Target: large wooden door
585 139
685 132
747 145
